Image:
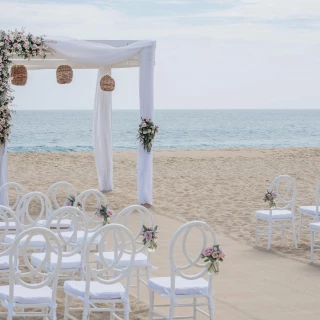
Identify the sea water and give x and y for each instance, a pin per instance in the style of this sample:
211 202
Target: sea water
52 131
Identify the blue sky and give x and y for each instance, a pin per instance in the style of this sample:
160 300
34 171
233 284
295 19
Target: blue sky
210 53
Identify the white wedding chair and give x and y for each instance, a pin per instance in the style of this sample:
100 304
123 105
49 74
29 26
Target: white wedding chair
105 286
32 208
18 191
282 215
186 277
309 211
134 217
29 287
14 192
7 217
72 263
90 201
59 192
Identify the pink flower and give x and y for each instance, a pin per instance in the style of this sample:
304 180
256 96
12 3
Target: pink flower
149 130
215 255
69 203
147 119
144 125
221 255
148 235
207 252
110 213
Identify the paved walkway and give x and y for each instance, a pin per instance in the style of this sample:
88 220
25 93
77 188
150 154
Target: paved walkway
252 284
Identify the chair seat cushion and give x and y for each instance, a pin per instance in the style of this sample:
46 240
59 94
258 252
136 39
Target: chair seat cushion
11 225
4 262
140 260
276 214
162 285
80 235
311 210
72 262
37 241
64 223
26 295
97 290
315 226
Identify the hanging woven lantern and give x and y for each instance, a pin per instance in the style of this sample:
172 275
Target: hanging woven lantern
19 75
64 74
107 83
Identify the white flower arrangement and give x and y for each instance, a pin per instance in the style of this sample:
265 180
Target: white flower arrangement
23 45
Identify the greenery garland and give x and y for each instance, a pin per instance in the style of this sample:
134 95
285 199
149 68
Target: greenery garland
23 45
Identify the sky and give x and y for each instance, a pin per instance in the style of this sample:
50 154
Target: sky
211 54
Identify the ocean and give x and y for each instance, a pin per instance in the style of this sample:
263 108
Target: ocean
54 131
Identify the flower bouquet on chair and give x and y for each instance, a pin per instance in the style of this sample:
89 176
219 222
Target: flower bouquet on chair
149 235
70 202
269 197
213 256
104 213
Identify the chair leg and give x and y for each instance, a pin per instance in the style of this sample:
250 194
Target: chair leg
294 234
138 286
85 314
282 236
269 234
54 314
300 226
66 307
312 245
257 228
112 312
211 306
195 308
151 304
171 311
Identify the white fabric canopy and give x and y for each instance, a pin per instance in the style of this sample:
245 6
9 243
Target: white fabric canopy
95 54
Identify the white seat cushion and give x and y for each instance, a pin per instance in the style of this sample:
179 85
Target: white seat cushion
162 285
97 289
26 295
315 226
71 262
37 241
276 214
64 223
4 262
140 260
11 225
308 210
80 234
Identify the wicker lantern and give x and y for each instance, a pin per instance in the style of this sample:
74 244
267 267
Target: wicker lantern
19 75
64 74
107 83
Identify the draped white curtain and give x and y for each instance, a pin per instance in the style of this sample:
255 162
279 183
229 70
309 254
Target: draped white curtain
102 133
3 173
145 159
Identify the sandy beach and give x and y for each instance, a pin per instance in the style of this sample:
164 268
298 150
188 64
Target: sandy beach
221 187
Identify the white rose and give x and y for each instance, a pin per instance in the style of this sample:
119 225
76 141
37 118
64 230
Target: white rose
1 44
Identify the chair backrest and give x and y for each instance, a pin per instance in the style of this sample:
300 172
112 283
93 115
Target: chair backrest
59 193
9 225
5 191
136 224
113 237
78 222
284 187
28 275
32 207
90 201
181 263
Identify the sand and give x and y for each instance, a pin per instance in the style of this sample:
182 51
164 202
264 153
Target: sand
221 187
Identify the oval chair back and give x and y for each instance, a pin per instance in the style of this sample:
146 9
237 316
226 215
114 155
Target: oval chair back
41 210
285 188
60 193
187 269
141 217
4 194
90 206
